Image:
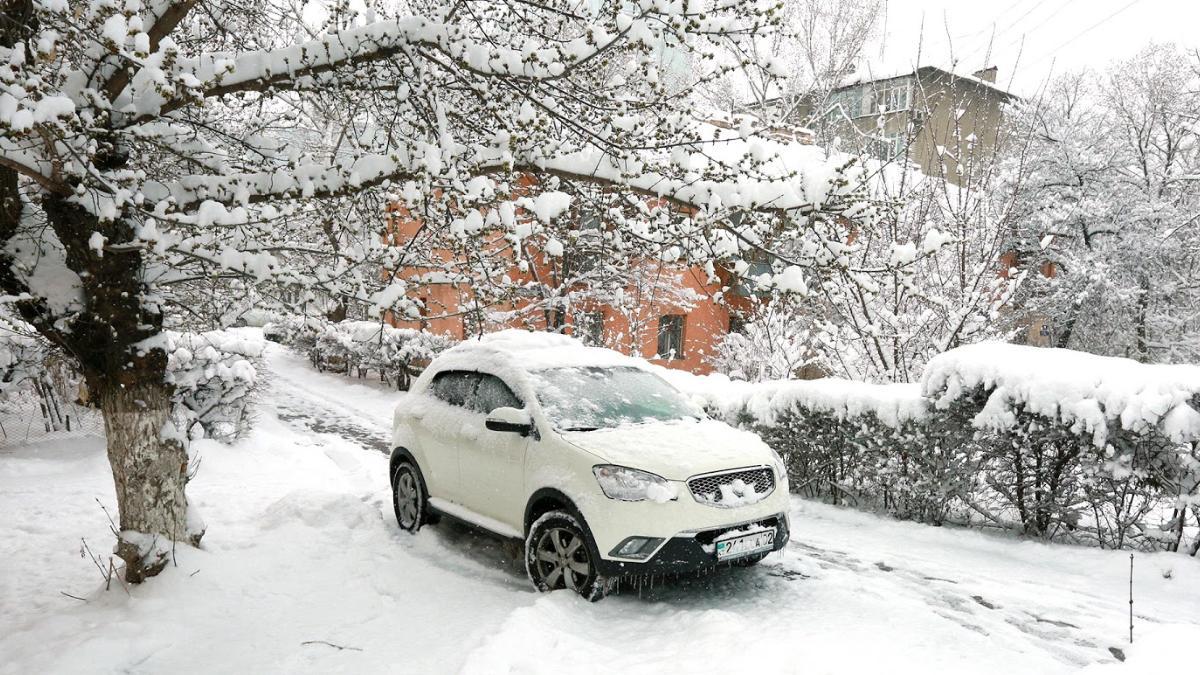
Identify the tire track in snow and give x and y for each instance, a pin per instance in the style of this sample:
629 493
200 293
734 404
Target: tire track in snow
308 400
951 600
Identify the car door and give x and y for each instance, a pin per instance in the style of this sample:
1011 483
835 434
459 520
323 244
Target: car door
493 467
438 431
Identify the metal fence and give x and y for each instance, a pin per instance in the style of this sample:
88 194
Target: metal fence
33 414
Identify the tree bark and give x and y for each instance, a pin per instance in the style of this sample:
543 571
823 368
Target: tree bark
1196 543
113 338
150 470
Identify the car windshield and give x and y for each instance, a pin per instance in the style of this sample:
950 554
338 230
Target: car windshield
587 398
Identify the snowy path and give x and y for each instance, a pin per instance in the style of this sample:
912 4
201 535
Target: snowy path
303 551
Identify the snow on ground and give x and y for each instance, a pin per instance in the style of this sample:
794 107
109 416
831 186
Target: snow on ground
303 554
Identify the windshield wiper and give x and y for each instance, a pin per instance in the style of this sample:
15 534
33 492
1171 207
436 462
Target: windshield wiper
581 428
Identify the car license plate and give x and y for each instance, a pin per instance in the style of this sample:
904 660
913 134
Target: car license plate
736 547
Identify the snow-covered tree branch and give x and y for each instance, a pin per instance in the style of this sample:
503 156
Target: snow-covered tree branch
152 153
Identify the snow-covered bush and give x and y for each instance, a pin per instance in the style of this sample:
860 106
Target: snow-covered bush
35 379
1081 445
214 375
357 347
777 343
867 445
1053 443
298 332
21 354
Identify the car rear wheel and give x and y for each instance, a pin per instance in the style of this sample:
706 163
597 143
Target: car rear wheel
558 555
408 497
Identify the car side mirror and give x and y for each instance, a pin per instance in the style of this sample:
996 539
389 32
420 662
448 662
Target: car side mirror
513 420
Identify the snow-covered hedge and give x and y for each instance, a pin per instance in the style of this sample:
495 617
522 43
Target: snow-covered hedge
1055 443
298 332
215 375
862 444
1080 445
21 355
357 347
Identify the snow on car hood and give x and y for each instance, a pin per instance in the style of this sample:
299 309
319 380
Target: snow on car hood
675 450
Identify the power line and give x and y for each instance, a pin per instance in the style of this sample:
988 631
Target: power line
1019 19
1085 31
992 23
991 44
1043 22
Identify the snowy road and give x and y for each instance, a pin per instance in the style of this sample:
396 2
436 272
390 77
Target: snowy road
304 570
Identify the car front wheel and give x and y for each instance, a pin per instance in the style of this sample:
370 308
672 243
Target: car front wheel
408 497
558 555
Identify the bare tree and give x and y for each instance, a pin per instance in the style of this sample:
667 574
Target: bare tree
786 76
1111 196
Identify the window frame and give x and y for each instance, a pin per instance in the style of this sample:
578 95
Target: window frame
481 377
665 333
447 374
470 402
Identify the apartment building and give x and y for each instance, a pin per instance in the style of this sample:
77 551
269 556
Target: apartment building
938 121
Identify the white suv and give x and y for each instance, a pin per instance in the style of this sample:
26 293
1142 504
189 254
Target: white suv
602 468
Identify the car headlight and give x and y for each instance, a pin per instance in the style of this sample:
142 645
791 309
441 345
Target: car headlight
781 474
633 485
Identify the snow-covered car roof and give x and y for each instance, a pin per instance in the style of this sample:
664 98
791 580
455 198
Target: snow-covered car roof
529 350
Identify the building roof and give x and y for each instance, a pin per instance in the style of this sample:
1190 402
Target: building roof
871 74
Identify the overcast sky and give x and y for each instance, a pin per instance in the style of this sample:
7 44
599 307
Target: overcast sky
1058 35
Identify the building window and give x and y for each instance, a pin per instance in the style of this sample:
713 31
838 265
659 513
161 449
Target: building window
890 97
755 280
670 336
589 327
886 148
583 254
737 324
849 100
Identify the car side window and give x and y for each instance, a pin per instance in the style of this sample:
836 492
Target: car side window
455 387
493 393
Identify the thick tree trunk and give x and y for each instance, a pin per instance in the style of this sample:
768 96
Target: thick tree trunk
150 470
113 338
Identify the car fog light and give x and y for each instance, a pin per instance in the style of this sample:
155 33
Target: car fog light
636 547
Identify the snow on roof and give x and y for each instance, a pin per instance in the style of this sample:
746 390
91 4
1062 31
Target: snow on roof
1084 390
529 350
883 73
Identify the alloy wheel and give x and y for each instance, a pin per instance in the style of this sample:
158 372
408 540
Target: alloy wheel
562 559
408 498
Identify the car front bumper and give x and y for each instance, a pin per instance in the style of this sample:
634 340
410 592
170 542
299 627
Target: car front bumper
692 551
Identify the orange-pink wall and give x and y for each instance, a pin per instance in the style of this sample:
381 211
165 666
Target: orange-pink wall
706 321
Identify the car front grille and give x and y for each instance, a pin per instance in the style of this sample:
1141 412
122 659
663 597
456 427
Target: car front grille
733 488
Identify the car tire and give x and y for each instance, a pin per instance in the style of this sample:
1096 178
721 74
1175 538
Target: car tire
559 554
408 497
